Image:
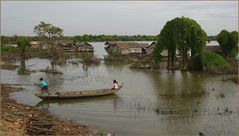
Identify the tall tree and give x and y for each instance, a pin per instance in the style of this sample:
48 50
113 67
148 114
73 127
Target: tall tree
234 43
182 35
228 43
223 39
47 30
22 43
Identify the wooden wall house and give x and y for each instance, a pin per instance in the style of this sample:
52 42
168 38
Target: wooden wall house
125 48
35 44
85 47
213 46
149 49
38 44
72 46
64 43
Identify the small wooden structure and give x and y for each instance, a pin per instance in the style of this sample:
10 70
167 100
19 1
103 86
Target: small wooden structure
213 46
214 49
149 49
78 94
39 44
125 48
85 47
35 44
73 46
64 43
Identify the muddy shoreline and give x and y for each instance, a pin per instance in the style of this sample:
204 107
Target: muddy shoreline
19 119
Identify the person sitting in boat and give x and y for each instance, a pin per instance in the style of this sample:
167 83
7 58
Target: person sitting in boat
43 85
115 85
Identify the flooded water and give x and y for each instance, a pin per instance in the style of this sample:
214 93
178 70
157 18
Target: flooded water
150 103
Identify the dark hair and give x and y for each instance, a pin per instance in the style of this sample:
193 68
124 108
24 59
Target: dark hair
41 78
114 81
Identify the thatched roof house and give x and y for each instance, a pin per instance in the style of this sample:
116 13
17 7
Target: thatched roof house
125 48
35 44
84 47
72 45
64 43
149 49
38 44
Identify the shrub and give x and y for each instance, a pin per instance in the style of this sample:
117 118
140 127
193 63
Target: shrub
8 48
213 62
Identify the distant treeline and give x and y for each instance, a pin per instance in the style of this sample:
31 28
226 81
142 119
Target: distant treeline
211 38
91 38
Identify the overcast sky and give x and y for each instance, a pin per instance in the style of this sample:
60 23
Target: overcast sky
120 18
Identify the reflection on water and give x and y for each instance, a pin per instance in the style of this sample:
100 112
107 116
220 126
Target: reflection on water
150 103
113 98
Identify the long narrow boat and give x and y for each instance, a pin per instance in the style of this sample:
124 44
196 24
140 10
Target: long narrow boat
78 94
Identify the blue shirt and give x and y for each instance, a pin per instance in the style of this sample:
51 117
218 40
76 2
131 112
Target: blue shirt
43 83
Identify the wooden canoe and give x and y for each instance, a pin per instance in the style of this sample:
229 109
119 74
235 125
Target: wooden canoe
78 94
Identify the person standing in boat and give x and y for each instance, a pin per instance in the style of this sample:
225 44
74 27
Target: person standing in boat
115 85
43 85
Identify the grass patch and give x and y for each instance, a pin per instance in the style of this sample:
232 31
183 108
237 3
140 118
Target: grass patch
214 62
9 49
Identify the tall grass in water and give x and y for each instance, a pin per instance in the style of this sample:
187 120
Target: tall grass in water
213 62
9 49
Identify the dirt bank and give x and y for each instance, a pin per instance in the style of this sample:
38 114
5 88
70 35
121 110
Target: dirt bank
18 119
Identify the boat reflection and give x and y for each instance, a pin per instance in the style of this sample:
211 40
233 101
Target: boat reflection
45 104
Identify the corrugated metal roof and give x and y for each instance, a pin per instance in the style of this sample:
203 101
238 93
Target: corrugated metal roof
212 43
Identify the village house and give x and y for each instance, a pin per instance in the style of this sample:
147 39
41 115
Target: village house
72 45
125 48
84 47
213 46
38 44
149 49
35 44
64 43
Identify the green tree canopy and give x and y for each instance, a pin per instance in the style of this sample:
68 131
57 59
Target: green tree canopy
228 43
234 43
182 34
22 43
47 30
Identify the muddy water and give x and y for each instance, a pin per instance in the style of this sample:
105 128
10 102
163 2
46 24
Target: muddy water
150 103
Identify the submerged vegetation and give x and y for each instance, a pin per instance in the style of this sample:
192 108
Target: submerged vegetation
22 43
9 49
88 58
214 62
